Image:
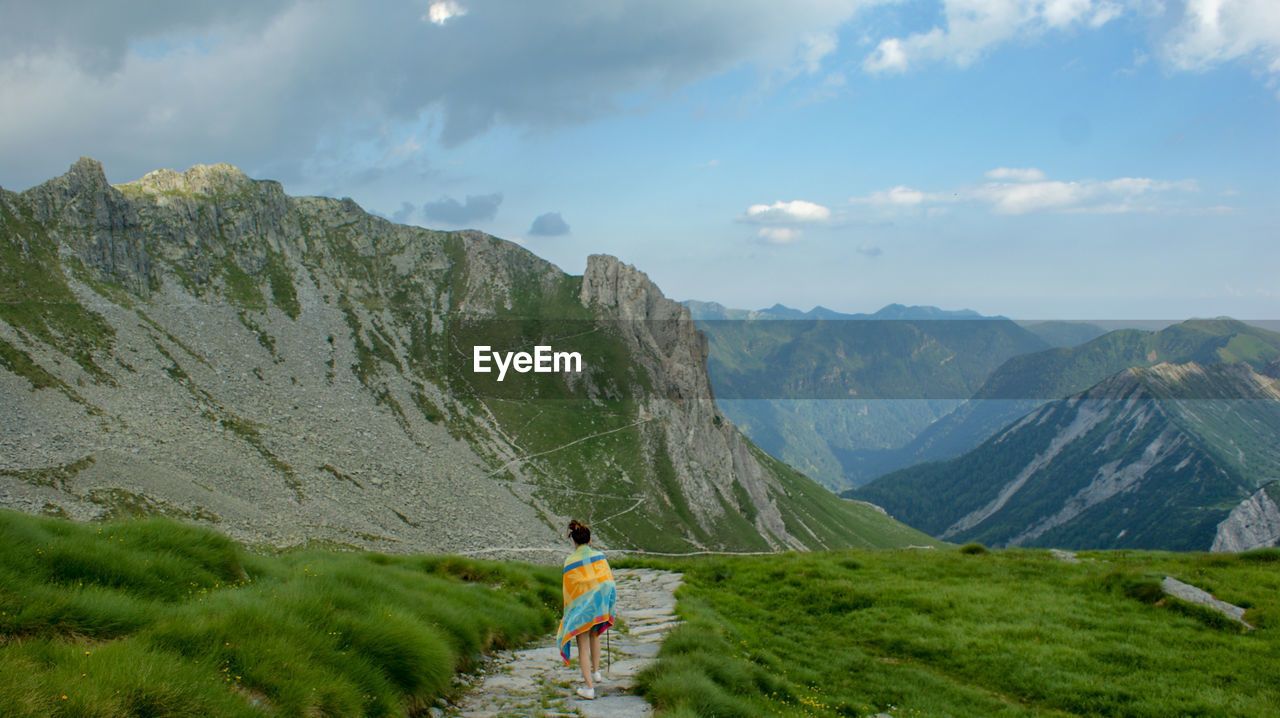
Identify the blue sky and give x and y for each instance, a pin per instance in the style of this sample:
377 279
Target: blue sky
1038 159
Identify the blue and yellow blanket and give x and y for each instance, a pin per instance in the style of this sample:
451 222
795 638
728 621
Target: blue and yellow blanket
590 597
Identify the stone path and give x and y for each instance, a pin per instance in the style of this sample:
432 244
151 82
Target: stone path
535 682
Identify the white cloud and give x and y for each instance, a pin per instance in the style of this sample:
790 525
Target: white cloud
141 85
440 12
1028 174
1211 32
1090 196
815 48
1190 35
794 212
1104 13
901 196
971 27
889 56
1024 191
779 235
1061 13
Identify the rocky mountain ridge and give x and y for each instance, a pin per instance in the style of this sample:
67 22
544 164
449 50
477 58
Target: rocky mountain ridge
292 370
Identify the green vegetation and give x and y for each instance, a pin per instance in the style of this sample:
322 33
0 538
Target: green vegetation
153 618
54 476
242 289
35 298
1000 633
283 293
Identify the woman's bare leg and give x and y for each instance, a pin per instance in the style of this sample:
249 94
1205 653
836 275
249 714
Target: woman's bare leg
595 651
585 656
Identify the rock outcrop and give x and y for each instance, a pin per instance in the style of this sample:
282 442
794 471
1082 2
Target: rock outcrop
1254 523
708 454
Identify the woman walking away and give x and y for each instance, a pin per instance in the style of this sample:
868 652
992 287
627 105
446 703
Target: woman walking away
590 597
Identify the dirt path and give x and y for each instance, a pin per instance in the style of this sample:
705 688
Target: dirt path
535 682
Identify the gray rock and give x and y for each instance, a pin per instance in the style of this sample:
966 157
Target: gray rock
1189 593
1253 523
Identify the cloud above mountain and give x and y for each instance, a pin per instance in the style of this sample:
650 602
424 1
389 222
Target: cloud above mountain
270 85
288 88
1014 191
550 224
451 211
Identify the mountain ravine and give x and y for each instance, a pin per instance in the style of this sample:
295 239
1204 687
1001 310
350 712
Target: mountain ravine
293 370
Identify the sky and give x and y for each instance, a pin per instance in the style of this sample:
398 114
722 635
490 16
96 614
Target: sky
1038 159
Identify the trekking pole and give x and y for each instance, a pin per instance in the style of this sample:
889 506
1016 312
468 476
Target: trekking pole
608 652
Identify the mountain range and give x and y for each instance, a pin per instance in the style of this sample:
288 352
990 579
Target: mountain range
1024 382
295 370
817 388
1151 457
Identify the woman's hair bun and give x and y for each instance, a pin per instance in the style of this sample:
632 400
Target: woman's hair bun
579 532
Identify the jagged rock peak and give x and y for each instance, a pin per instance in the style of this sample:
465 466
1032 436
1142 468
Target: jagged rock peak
85 176
87 171
211 180
610 282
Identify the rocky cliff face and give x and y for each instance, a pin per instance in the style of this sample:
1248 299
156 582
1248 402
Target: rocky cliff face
1254 523
708 454
294 369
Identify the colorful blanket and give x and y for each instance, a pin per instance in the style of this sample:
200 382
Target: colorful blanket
590 596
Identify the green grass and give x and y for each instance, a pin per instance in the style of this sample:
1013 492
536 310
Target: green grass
154 618
944 633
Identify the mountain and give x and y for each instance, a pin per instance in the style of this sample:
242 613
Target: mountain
706 311
817 388
1152 458
1027 381
294 369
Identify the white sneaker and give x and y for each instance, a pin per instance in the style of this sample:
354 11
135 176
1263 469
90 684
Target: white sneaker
588 693
597 678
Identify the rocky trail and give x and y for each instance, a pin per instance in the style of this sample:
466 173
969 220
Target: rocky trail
535 682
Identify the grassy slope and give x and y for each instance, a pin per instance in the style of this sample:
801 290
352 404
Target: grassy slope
941 633
155 618
822 520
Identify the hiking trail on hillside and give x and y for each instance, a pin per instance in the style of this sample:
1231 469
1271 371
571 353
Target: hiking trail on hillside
534 681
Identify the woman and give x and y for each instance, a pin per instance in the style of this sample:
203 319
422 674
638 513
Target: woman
589 600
